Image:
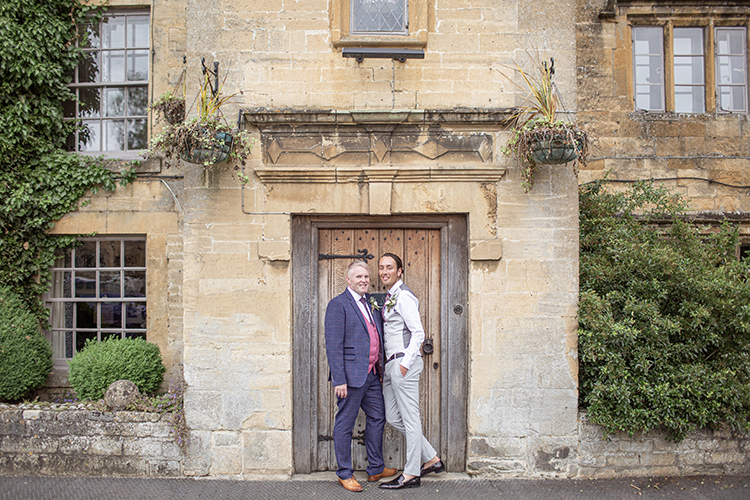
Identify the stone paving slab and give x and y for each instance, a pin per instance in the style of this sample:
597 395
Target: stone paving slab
304 488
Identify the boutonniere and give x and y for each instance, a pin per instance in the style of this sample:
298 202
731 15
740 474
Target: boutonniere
390 302
374 304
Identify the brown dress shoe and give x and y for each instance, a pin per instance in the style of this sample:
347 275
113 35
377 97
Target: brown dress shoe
350 484
387 472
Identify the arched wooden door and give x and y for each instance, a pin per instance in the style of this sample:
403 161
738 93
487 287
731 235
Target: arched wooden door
435 255
420 252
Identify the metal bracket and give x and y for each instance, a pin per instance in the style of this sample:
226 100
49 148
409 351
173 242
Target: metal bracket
361 254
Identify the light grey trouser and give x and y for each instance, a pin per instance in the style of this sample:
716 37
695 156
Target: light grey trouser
401 395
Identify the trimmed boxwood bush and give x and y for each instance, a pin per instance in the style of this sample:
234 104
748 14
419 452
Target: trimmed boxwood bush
99 364
25 355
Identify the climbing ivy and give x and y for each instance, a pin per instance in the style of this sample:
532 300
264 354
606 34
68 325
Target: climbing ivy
39 181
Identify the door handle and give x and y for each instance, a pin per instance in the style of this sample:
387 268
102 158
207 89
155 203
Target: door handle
428 348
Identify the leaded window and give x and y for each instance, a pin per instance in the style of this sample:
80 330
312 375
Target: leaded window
379 17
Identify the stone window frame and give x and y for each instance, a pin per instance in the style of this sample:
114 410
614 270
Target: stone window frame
341 35
66 269
709 23
72 108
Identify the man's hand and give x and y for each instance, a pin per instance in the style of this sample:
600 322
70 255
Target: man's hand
403 370
340 391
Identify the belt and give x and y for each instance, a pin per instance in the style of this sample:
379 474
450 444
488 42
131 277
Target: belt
397 355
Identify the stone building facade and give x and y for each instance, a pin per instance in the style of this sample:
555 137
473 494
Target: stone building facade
663 88
375 154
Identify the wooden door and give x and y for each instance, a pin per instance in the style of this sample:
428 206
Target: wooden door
434 249
420 252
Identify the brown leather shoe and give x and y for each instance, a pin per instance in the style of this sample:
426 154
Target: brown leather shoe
350 484
387 472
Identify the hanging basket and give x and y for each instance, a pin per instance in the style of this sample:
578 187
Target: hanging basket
209 152
559 149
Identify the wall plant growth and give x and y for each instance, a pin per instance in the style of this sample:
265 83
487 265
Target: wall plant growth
664 318
39 181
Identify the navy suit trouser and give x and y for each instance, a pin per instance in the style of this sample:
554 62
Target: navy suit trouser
369 397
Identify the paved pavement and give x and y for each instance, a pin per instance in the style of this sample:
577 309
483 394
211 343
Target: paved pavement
449 486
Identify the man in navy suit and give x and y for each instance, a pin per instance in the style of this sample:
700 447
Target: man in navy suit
354 346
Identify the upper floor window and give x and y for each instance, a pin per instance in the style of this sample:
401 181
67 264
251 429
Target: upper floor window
379 17
111 85
672 66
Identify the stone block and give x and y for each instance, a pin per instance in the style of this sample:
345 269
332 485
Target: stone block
274 250
267 451
485 250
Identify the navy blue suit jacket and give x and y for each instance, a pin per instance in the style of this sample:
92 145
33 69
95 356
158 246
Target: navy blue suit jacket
347 340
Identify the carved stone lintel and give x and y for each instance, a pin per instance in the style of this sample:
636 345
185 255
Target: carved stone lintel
330 139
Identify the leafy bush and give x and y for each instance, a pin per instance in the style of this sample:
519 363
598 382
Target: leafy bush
25 355
664 317
99 364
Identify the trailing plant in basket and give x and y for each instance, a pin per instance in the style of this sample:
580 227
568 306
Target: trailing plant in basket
207 138
171 107
537 132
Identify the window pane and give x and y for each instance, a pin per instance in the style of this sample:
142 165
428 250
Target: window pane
688 41
86 254
113 32
62 344
63 257
114 135
731 69
137 134
85 284
135 253
109 284
730 40
113 66
136 315
61 314
136 335
648 70
111 315
138 31
137 101
89 139
82 337
85 314
378 16
109 253
137 65
648 67
88 68
689 99
89 36
90 103
61 284
135 283
647 40
114 101
69 109
688 70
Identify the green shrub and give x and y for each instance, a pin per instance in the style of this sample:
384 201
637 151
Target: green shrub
664 316
99 364
25 355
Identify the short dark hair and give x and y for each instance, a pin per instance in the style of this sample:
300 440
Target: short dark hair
396 258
